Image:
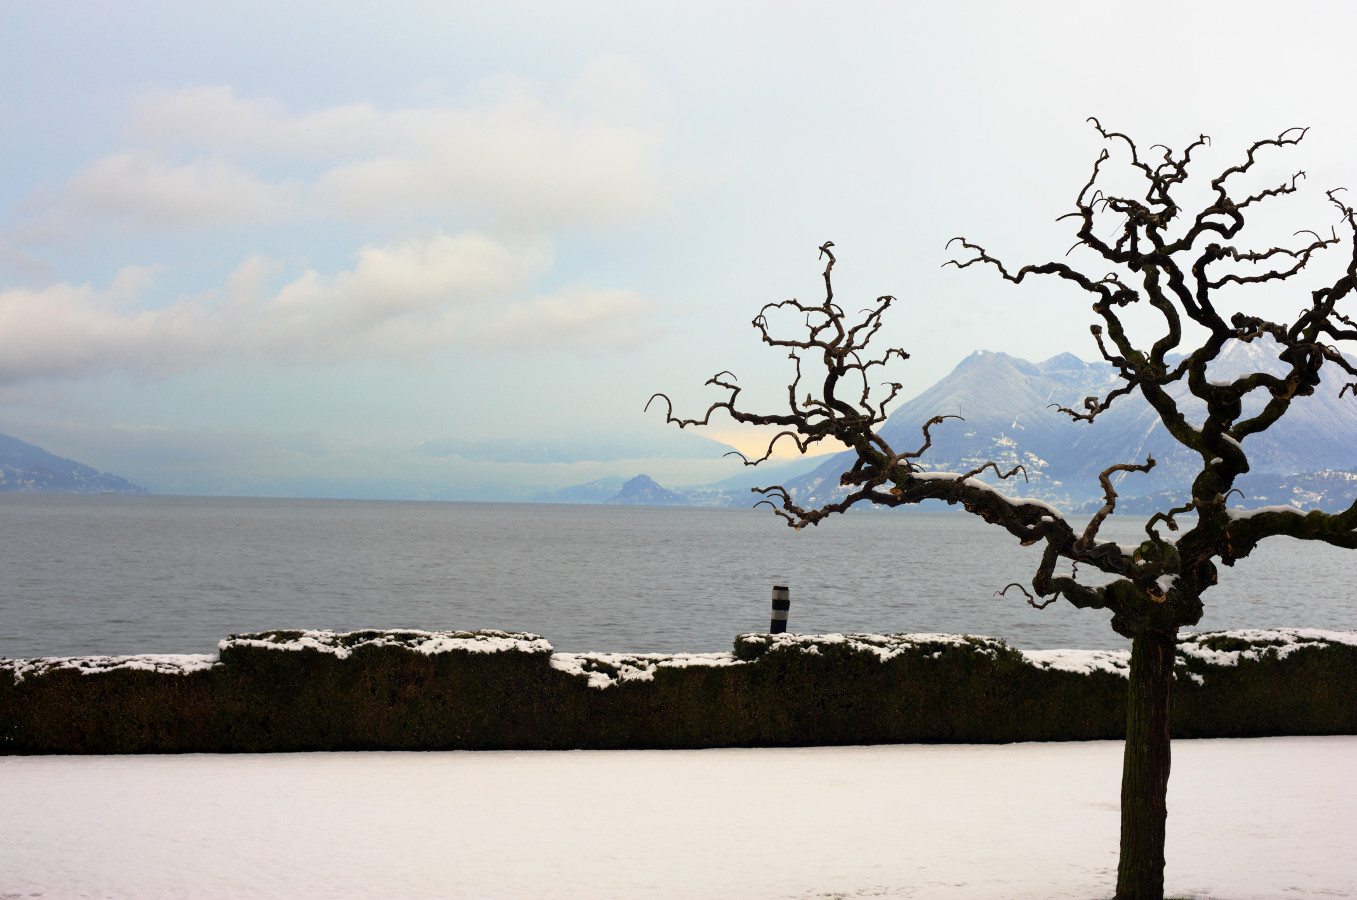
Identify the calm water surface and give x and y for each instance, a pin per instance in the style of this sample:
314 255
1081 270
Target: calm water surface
84 574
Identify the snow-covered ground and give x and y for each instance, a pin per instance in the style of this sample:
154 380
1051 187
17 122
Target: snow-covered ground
1266 818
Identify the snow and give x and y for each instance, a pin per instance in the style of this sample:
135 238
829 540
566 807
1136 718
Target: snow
885 646
1235 514
163 663
341 644
1270 642
977 483
1248 819
1278 642
604 670
1081 662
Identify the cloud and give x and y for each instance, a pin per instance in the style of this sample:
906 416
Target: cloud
150 191
584 317
203 157
66 330
518 161
214 119
399 302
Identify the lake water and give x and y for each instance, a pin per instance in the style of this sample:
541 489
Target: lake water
113 574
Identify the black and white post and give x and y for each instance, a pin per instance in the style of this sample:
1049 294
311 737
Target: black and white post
782 601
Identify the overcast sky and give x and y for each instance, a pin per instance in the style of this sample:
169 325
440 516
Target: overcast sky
442 249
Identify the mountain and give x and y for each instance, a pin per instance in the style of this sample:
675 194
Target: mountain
1005 404
1308 460
643 491
733 491
594 492
1318 433
24 467
771 472
1328 490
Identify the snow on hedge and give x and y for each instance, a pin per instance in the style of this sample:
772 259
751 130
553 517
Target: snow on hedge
607 669
1227 648
160 663
341 644
1081 662
885 646
1211 648
603 670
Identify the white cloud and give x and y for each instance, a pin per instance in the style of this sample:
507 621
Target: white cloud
214 119
147 190
398 302
581 317
518 161
510 160
67 330
202 156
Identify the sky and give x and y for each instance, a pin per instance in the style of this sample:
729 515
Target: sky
448 250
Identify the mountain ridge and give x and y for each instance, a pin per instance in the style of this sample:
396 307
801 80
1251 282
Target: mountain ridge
1005 403
1008 416
28 468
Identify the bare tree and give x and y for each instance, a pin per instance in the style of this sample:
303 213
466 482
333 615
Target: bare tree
1177 264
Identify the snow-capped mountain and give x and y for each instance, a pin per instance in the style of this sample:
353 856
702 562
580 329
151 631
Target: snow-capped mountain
1006 406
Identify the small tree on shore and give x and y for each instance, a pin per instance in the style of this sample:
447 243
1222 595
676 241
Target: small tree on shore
1179 265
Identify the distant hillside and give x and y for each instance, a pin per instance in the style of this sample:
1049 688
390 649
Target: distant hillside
644 491
1005 405
1309 460
1328 490
732 491
594 492
24 467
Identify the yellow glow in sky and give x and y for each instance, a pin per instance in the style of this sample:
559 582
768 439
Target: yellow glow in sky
752 441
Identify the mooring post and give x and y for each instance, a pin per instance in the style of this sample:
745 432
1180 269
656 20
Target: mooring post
782 601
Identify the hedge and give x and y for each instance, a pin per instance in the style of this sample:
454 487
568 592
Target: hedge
414 690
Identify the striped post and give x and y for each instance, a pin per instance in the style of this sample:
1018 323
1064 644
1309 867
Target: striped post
782 601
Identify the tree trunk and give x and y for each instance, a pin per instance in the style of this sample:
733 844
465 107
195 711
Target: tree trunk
1145 767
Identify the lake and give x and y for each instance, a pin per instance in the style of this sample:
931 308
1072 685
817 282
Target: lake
115 574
